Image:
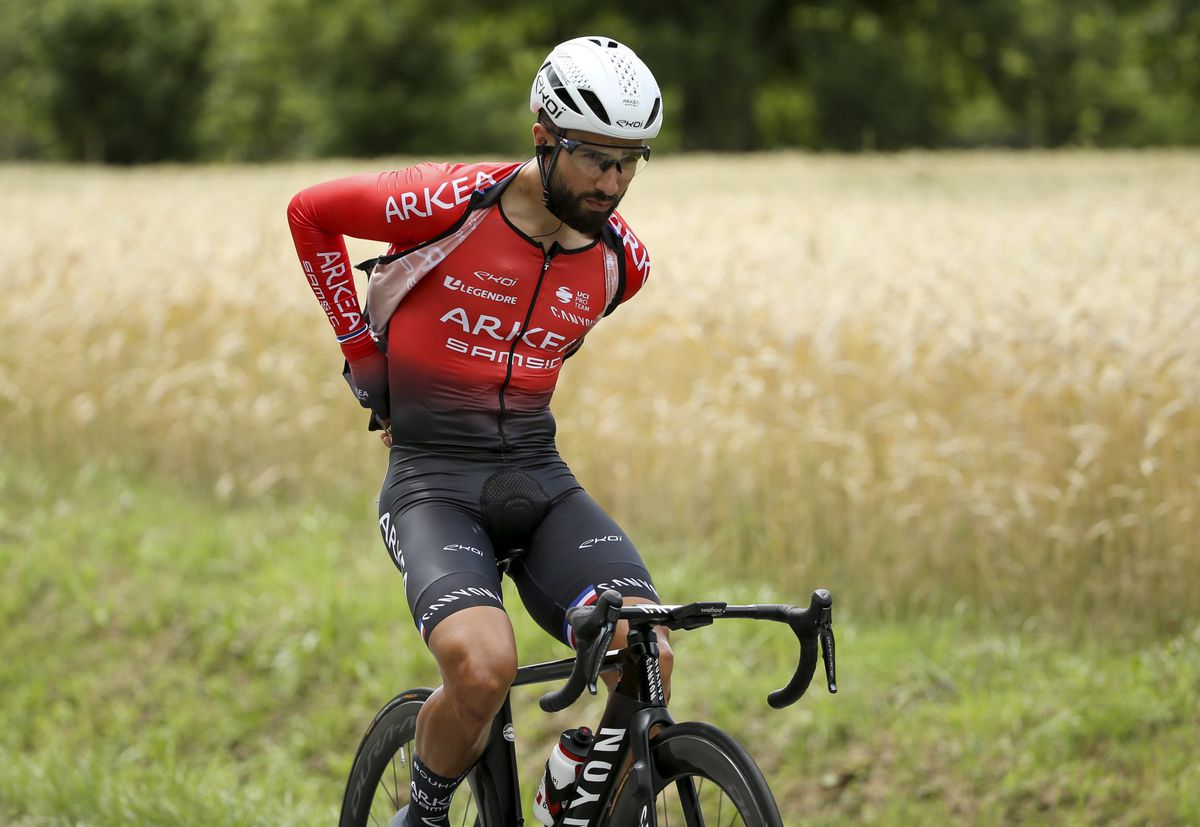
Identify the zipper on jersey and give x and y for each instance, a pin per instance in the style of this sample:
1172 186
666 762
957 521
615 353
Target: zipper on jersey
546 255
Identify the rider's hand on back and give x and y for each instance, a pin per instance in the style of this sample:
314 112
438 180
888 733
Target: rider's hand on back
369 381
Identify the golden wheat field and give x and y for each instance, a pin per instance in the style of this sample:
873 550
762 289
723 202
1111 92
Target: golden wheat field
947 381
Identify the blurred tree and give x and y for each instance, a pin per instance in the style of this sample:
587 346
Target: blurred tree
123 79
255 107
23 131
308 78
876 78
1084 72
146 80
1168 54
710 54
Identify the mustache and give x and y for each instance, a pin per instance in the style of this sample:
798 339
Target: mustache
607 200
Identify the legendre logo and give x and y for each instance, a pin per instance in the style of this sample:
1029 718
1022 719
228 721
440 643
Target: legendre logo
460 286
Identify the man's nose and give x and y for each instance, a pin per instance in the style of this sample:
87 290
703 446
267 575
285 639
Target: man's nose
609 181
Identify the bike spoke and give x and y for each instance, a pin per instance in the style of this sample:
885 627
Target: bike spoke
375 799
391 795
735 816
395 784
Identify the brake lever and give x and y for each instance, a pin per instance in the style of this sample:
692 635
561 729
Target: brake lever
825 635
607 631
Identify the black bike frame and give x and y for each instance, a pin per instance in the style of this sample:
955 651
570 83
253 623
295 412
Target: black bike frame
635 708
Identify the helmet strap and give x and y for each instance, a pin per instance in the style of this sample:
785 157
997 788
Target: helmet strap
546 168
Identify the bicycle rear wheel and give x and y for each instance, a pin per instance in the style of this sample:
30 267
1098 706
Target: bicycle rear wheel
702 778
381 775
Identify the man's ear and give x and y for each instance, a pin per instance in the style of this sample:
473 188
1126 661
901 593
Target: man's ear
542 135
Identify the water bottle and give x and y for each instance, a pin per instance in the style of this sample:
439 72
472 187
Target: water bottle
562 768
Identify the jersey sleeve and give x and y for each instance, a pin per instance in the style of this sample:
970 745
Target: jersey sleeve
636 258
403 208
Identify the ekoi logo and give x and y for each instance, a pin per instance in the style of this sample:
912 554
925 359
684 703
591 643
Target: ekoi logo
595 541
503 281
548 102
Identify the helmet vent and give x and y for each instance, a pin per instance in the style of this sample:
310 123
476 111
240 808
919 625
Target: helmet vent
593 102
562 95
626 74
557 87
654 110
574 75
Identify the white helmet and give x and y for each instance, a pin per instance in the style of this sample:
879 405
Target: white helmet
598 85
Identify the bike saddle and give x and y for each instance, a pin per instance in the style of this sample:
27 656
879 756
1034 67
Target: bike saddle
513 505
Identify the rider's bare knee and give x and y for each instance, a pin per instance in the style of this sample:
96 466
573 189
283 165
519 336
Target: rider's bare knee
478 683
478 661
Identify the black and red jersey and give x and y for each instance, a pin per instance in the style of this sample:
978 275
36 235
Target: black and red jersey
477 317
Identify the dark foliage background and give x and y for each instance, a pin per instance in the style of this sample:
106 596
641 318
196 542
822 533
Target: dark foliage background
129 81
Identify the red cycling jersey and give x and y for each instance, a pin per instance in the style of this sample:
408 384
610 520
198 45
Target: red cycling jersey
477 317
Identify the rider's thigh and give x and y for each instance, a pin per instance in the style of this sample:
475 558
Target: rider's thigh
476 652
578 552
447 561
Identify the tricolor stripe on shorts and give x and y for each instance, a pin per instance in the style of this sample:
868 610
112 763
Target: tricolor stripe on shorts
586 598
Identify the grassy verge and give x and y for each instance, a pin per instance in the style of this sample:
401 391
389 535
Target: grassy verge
171 660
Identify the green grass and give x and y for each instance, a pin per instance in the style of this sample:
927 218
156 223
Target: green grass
167 659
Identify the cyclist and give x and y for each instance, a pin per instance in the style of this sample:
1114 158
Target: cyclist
495 274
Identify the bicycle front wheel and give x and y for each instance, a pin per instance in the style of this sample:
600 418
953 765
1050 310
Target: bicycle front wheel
381 776
702 778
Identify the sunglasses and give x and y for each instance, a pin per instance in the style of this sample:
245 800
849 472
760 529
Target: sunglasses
593 160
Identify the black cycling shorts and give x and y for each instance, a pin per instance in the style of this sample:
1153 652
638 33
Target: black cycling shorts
451 553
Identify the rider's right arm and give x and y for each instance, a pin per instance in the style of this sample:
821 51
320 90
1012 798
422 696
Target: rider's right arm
403 208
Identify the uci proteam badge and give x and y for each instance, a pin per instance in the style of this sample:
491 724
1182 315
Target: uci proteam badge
509 734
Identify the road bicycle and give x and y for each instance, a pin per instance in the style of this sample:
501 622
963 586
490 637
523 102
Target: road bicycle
643 768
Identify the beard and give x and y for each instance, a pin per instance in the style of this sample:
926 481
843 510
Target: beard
570 209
